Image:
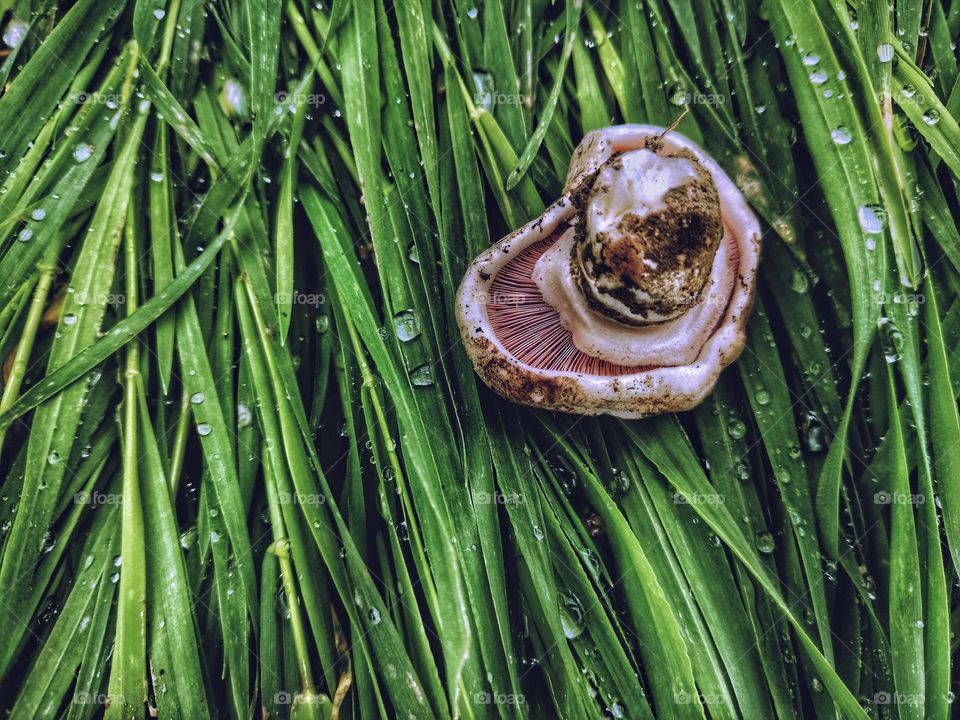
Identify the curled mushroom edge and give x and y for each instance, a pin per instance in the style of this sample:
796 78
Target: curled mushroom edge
633 348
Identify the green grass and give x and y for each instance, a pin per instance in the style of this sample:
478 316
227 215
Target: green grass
247 468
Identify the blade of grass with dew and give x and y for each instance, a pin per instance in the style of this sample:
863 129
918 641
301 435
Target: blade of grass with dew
906 610
83 156
48 679
162 231
772 404
724 623
121 333
37 88
944 424
128 671
498 58
847 190
572 18
586 623
263 33
666 446
174 618
723 433
669 672
54 425
414 42
915 95
569 696
904 314
305 471
360 71
283 230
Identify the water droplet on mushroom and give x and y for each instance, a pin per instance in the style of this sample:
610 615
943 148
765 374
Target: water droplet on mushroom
406 325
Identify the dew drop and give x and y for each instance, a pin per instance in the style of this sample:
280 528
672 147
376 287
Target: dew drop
422 375
83 152
406 324
204 429
736 429
841 136
871 218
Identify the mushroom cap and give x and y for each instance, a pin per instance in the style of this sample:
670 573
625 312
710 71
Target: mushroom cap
647 233
521 348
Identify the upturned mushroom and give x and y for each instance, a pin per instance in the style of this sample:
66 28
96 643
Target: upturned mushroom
630 293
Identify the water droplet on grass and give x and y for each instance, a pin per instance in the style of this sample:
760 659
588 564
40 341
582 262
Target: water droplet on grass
871 218
83 152
736 429
406 324
841 136
422 375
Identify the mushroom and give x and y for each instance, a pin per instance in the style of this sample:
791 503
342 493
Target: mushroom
629 294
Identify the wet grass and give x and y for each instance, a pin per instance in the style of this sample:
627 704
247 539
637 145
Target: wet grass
246 467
